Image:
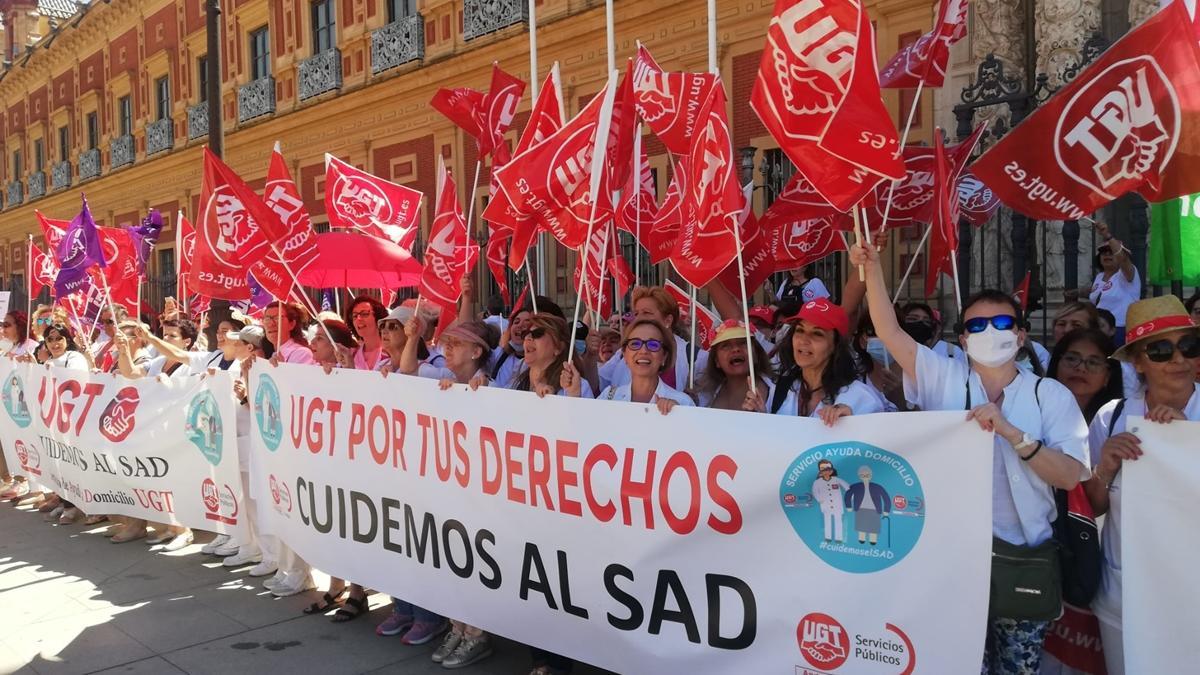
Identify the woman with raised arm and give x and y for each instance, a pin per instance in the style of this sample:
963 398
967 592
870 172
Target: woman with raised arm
1117 285
1163 344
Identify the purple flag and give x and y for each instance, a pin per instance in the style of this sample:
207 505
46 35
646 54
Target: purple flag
145 238
259 299
77 252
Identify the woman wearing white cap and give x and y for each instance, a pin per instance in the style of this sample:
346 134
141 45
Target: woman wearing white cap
818 376
725 382
1163 344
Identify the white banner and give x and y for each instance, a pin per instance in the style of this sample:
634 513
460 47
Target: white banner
164 450
700 542
1160 597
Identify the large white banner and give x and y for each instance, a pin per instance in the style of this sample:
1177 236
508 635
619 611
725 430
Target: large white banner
699 542
1160 596
160 449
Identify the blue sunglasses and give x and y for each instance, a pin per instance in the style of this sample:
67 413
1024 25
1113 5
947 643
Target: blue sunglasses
980 323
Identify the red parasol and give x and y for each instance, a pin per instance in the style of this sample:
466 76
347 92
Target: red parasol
352 260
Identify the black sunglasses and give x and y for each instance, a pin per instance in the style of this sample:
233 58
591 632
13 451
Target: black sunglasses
536 333
1161 351
980 323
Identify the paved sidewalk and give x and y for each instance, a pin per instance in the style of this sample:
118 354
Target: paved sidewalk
72 602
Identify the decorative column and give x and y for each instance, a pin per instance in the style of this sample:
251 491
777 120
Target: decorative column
1070 234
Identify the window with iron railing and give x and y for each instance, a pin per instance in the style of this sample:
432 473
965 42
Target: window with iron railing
398 9
260 53
162 97
202 77
324 26
125 115
93 130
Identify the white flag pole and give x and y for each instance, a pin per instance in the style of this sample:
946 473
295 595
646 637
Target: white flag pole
912 113
598 157
180 280
29 286
637 203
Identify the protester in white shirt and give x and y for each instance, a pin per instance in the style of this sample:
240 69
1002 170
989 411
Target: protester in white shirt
725 382
15 334
1117 285
1164 346
548 361
647 350
818 376
62 353
1040 434
800 287
655 304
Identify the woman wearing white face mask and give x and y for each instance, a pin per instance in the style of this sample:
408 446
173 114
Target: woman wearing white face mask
1040 443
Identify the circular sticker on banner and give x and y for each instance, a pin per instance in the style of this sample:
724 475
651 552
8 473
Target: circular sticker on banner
13 395
266 413
204 428
858 507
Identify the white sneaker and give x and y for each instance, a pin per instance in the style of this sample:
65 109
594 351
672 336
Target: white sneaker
293 584
244 557
263 568
270 584
227 549
179 542
211 547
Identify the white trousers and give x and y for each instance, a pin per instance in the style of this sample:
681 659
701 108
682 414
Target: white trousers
833 523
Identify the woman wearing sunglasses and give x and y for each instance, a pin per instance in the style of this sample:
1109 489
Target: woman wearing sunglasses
819 377
1163 344
648 349
1080 361
549 369
1040 440
16 336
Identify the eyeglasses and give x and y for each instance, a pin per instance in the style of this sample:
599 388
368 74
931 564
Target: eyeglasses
108 322
43 321
1000 321
363 315
636 344
1091 365
536 333
388 324
1161 351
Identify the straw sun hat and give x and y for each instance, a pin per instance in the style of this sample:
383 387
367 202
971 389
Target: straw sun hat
1151 318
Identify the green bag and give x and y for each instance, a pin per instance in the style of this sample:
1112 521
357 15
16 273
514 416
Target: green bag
1026 581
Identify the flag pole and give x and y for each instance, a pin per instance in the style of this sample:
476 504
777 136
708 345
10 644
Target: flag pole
180 280
957 292
692 341
471 214
29 286
529 281
637 204
539 251
598 156
912 113
912 262
858 239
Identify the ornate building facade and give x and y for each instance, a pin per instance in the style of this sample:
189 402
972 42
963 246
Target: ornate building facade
107 98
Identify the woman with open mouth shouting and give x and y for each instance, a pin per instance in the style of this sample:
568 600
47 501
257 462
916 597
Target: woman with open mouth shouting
818 375
648 349
725 383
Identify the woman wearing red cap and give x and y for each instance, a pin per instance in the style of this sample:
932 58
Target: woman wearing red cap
725 382
819 377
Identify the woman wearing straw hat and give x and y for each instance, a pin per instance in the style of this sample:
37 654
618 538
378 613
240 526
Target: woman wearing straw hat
1163 344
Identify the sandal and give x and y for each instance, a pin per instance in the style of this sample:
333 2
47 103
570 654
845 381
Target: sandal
344 614
327 603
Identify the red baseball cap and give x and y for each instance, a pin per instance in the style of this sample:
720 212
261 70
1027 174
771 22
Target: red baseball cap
822 314
764 314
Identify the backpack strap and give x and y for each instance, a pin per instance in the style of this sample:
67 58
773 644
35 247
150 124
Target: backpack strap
504 354
1112 421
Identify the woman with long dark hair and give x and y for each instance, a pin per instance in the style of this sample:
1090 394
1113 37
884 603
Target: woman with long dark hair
287 320
363 317
63 353
549 366
725 382
1080 361
818 375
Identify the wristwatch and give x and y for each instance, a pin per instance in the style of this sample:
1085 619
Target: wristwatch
1026 441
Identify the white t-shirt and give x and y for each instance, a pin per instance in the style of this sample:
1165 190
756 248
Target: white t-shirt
498 321
198 362
943 348
813 289
25 348
1022 503
1107 604
510 365
615 372
859 397
1116 294
70 360
622 393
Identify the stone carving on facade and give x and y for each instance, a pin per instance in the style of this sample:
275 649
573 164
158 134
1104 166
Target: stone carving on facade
399 42
121 151
481 17
1061 29
197 120
1140 10
60 175
160 136
89 163
256 98
321 73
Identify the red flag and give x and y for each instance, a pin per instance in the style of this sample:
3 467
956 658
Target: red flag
464 107
590 286
668 101
499 107
925 60
545 119
228 240
913 196
943 241
121 266
817 92
497 257
659 239
516 306
758 256
706 321
1129 122
638 209
450 255
357 200
800 241
551 184
1021 294
624 125
976 200
291 231
53 230
618 267
43 270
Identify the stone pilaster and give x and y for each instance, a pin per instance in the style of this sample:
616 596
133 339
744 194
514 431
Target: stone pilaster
1140 10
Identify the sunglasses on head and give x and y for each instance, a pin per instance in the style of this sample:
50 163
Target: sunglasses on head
45 321
1000 321
636 344
1161 351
